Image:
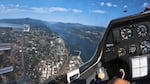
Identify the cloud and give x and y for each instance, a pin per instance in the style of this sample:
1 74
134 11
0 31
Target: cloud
38 10
17 5
125 6
108 4
54 9
7 9
77 11
99 11
48 9
114 5
102 3
57 9
18 9
145 4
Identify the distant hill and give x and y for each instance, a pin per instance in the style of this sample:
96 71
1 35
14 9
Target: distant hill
77 29
61 25
34 23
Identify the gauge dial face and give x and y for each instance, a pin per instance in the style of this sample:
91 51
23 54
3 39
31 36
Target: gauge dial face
142 30
132 49
121 52
126 33
145 46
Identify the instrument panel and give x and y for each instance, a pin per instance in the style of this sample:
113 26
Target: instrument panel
127 46
130 40
136 38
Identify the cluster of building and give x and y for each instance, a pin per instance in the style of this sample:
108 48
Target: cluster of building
74 62
45 55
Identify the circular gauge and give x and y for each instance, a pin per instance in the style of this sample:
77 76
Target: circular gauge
142 30
145 46
132 49
121 52
126 33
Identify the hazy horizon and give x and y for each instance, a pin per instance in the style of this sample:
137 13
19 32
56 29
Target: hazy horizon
88 12
52 21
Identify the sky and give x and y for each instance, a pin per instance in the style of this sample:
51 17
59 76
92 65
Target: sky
89 12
